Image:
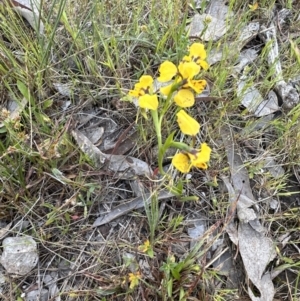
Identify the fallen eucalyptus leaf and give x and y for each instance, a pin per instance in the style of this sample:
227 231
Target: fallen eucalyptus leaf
146 269
232 232
125 167
286 91
40 294
226 265
266 287
258 125
214 56
240 181
245 58
200 226
31 11
250 96
246 214
122 146
97 127
128 206
94 134
247 33
137 187
51 281
239 174
284 16
257 251
275 170
219 10
231 228
65 89
267 106
254 102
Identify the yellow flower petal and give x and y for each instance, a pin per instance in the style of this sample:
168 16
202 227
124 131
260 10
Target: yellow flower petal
186 58
137 91
166 89
205 152
188 125
148 101
146 81
188 69
144 85
197 51
203 64
201 165
134 279
184 98
254 6
197 85
202 157
167 70
145 246
133 93
181 162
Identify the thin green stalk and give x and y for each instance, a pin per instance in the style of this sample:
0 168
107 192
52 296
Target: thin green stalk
180 145
157 124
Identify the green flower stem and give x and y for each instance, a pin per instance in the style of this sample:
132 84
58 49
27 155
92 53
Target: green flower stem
157 124
157 120
180 145
163 148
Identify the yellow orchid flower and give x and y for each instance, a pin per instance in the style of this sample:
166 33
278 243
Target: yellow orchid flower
187 124
146 80
200 158
184 162
188 69
143 86
197 51
198 85
143 91
198 55
167 71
